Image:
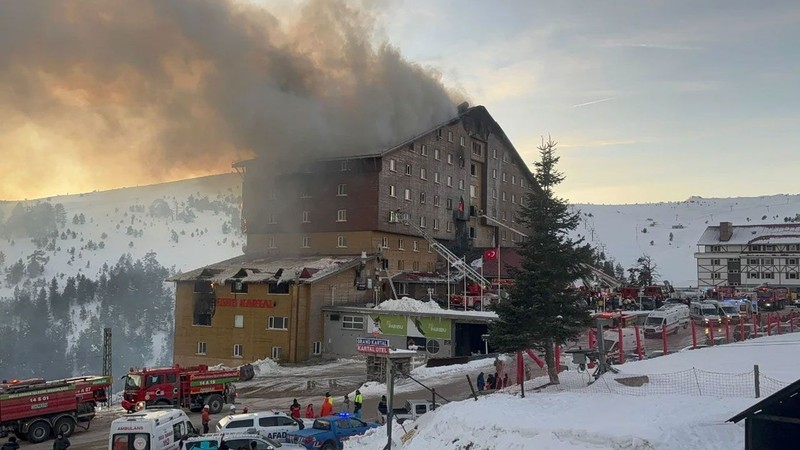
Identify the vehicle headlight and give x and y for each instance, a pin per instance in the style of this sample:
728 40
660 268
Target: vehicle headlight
140 406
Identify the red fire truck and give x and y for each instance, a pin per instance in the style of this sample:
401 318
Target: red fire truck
187 387
772 298
36 409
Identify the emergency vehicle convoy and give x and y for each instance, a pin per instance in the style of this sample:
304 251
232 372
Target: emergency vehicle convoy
187 387
36 409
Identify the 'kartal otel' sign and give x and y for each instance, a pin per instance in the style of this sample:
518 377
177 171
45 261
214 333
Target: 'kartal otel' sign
372 345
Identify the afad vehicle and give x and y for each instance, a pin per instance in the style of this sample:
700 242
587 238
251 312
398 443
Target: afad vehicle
330 432
36 409
187 387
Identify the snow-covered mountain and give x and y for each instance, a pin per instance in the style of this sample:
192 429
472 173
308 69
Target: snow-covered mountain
668 232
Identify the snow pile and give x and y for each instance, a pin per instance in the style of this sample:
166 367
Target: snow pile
265 366
572 421
408 304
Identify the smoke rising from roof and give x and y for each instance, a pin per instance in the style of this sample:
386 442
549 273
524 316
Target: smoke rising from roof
102 94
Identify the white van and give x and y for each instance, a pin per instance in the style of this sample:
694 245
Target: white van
272 424
160 429
672 316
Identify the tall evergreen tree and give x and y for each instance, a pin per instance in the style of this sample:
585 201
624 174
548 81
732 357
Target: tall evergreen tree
543 308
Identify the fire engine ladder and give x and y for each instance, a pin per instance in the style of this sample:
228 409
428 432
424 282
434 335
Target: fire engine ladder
451 258
604 277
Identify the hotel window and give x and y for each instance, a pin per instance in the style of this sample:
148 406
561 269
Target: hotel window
472 232
450 136
436 178
513 179
341 242
392 165
437 154
272 219
503 215
767 261
385 242
715 275
401 245
715 262
504 177
316 348
423 221
752 275
201 348
278 323
400 266
473 191
752 261
345 166
435 224
477 149
409 169
423 173
415 246
439 133
513 199
716 248
341 190
792 261
505 157
461 141
276 353
238 321
450 181
461 184
503 235
494 193
450 159
341 215
449 203
422 198
423 150
436 201
306 242
449 226
473 169
408 194
522 182
504 196
392 191
494 173
306 218
352 322
238 350
271 243
415 266
768 275
791 276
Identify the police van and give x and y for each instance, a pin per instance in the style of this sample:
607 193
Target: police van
160 429
272 424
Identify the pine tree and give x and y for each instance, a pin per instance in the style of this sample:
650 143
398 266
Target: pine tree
542 309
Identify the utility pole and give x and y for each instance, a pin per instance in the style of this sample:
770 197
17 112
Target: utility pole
107 370
390 403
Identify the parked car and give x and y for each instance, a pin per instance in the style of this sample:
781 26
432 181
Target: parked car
272 424
411 410
330 432
213 441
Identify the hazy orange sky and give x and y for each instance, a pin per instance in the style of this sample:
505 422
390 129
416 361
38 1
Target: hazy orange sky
649 101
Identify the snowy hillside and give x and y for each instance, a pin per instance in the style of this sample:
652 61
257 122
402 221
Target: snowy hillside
668 232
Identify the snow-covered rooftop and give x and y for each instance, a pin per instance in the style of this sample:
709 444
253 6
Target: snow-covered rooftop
747 234
409 305
262 269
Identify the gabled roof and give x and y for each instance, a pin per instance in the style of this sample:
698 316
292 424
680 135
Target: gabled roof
265 269
753 234
789 392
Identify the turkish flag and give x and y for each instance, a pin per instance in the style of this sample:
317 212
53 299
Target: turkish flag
490 255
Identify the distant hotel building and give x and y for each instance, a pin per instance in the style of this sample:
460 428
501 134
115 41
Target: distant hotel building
749 255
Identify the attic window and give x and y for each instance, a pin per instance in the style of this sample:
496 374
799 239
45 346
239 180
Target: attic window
278 288
239 287
203 287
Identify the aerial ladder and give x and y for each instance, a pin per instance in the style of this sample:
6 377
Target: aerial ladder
454 261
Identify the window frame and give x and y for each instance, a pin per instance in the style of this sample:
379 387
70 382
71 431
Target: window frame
271 323
202 348
354 322
238 351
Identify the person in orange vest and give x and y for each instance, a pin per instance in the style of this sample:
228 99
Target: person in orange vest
327 406
310 411
295 409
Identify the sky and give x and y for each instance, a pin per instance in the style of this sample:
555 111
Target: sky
648 101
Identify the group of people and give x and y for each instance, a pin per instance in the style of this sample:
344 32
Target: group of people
327 408
493 381
61 443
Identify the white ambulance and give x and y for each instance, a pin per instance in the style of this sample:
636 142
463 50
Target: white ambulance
160 429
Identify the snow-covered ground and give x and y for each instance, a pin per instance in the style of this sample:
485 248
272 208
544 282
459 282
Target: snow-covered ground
619 228
656 417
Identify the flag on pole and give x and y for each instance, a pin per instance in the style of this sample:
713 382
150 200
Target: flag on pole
490 255
477 264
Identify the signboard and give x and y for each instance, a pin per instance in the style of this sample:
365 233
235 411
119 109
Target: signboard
390 325
372 345
245 303
434 327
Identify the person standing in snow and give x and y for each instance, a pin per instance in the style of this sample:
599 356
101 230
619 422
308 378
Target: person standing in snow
310 411
346 403
505 380
205 418
490 382
383 410
358 401
480 382
327 406
295 409
528 373
61 443
498 382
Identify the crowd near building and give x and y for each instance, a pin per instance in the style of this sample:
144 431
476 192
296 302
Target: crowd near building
329 238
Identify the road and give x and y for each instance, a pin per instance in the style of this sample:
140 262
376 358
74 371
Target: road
278 391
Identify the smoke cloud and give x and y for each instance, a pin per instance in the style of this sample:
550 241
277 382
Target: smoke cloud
100 94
